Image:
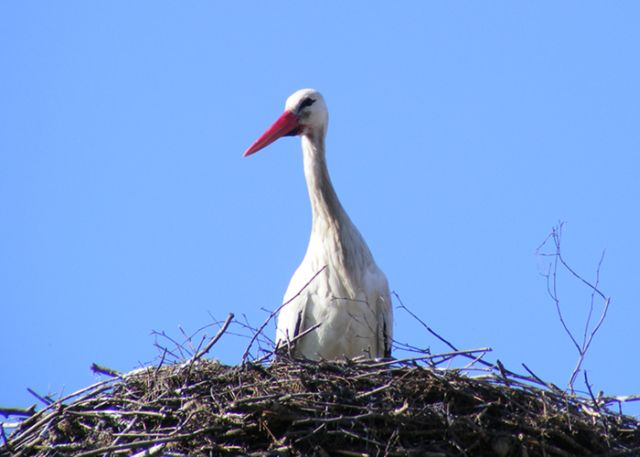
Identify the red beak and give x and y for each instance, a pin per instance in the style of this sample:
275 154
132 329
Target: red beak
285 125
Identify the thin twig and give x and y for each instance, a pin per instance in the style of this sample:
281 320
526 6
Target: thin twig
429 329
470 352
274 313
215 339
593 398
289 345
47 400
177 345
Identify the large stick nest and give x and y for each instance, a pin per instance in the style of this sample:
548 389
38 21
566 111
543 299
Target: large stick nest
302 408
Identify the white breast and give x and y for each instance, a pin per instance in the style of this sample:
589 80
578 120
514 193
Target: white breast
351 304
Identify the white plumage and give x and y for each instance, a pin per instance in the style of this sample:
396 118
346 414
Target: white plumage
349 296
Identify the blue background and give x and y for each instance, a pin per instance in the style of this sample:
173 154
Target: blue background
460 133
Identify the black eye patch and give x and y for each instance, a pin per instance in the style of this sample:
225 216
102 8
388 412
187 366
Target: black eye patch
306 102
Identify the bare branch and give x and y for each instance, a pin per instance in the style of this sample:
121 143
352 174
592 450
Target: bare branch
429 329
46 399
552 289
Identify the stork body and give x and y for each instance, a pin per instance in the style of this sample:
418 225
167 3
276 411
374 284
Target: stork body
338 287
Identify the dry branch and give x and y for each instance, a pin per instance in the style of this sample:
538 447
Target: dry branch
551 275
213 340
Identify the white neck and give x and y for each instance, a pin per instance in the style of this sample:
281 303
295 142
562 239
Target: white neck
330 226
326 210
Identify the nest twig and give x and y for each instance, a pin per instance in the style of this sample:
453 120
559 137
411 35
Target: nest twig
300 408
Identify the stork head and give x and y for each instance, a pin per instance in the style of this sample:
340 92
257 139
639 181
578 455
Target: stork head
305 113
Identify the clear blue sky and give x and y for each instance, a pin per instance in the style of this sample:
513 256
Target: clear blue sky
460 133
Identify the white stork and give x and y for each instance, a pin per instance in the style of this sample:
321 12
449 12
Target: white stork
349 298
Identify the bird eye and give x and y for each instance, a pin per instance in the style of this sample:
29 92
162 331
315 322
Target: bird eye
306 102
